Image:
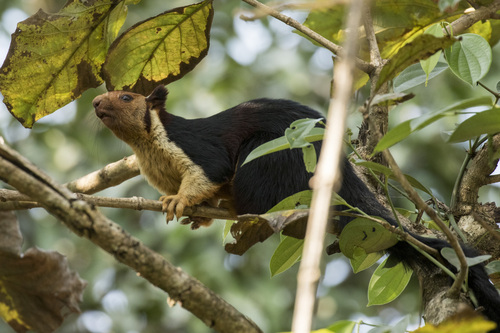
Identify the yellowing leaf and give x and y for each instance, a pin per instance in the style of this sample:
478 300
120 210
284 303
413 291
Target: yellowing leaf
430 63
160 49
361 260
251 229
420 48
460 324
54 58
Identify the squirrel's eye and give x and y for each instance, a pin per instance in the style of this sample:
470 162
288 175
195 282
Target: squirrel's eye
126 97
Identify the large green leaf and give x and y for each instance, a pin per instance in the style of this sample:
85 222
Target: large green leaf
469 58
367 235
302 198
286 255
362 260
388 281
342 326
158 50
54 58
404 129
414 76
451 256
486 122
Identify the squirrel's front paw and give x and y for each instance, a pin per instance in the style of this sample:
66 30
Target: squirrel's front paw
173 205
197 221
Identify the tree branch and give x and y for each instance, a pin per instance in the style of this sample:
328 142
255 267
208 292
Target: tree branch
477 174
17 201
84 220
470 18
375 57
111 175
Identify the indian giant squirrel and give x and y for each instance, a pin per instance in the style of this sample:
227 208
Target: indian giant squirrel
200 160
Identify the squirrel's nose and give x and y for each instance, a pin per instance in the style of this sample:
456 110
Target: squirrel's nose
96 101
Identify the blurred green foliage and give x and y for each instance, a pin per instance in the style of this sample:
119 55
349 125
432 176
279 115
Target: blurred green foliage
246 60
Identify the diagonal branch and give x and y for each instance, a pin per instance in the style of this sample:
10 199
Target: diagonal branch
454 290
336 49
84 220
111 175
464 22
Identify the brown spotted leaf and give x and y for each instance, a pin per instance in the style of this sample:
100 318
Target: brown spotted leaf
37 288
251 229
159 50
54 58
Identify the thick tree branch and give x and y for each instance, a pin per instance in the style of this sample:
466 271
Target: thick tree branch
470 18
467 209
375 57
476 175
84 220
111 175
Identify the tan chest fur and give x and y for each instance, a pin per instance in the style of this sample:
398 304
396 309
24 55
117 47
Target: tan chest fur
161 161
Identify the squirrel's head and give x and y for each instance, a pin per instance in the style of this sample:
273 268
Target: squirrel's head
126 113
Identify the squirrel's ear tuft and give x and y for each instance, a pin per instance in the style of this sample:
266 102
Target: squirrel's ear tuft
157 97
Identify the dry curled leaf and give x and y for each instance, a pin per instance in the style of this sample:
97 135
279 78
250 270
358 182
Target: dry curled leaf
251 229
37 288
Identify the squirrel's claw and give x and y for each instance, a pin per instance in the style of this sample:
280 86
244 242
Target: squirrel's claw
173 205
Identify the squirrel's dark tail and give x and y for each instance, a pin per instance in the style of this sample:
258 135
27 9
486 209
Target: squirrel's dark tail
486 294
355 192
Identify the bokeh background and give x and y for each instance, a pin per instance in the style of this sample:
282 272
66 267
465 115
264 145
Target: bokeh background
246 60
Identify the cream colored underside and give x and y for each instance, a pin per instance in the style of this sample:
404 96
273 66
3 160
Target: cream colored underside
165 166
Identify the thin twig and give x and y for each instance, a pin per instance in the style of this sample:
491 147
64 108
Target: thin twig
336 49
493 179
494 93
17 201
327 174
375 57
454 290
